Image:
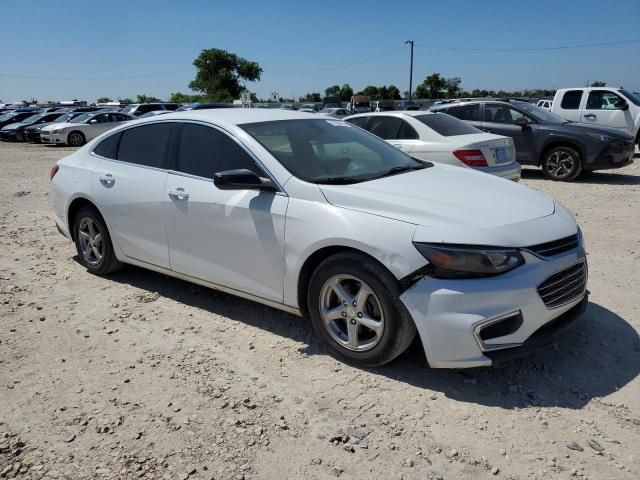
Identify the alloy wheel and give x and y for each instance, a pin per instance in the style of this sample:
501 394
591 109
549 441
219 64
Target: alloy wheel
560 164
75 139
351 312
90 240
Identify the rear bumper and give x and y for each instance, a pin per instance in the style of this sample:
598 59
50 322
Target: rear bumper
510 171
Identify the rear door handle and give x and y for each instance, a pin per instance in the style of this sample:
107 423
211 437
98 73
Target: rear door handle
589 115
179 193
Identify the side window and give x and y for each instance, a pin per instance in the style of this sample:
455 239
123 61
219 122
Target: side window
407 132
602 100
466 112
359 121
108 147
145 145
102 118
119 117
571 100
204 151
497 113
384 127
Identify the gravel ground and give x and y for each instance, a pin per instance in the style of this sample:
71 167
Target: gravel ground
142 376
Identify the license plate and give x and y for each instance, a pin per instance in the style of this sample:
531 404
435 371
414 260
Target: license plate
501 155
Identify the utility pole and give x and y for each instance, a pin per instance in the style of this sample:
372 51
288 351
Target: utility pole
410 42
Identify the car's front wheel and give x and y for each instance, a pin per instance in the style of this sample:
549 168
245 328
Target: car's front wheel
93 242
562 164
355 307
76 139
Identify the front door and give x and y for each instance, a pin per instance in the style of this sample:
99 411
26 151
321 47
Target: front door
603 108
233 238
500 119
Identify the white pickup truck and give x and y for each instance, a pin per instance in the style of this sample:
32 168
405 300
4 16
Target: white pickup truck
611 107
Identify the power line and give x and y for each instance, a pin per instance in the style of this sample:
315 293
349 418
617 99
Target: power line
124 77
533 49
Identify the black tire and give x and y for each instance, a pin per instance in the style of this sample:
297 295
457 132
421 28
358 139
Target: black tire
76 139
107 262
398 328
562 164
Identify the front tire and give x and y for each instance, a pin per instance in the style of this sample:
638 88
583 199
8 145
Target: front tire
93 242
562 164
354 305
76 139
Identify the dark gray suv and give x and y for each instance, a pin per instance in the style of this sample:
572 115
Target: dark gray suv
563 149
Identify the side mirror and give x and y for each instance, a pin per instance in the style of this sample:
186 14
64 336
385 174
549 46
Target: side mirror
93 121
622 105
521 122
242 179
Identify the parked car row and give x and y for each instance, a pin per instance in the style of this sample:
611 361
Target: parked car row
379 246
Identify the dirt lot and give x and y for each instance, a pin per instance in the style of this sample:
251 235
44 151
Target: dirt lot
139 375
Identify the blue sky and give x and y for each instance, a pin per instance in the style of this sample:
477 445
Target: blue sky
86 47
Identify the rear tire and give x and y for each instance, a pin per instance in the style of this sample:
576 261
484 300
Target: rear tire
354 305
93 242
76 139
562 164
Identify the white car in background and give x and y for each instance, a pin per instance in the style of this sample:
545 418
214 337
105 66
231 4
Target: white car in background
377 245
336 112
546 104
83 128
441 138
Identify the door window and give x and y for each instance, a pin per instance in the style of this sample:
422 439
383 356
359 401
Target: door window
204 151
571 100
108 147
384 127
358 121
497 113
102 118
407 132
602 100
466 112
145 145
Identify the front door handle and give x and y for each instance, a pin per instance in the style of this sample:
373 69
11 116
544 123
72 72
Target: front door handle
589 115
178 193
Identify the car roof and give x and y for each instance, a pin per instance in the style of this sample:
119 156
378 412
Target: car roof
395 113
236 116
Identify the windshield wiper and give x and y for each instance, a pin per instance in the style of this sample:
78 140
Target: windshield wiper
337 180
401 169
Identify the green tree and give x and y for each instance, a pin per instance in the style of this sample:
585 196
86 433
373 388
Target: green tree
311 97
126 101
372 92
394 92
219 73
179 97
104 100
141 98
598 83
333 91
346 92
452 86
431 86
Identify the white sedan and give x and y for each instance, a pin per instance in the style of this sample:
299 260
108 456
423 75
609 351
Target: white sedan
83 128
439 137
312 215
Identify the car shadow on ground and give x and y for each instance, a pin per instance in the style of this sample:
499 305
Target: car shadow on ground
595 358
595 178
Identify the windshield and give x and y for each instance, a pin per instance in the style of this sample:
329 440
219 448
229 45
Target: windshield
6 116
129 108
446 125
635 99
540 114
330 151
34 118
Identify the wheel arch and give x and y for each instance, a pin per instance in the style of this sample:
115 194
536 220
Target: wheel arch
77 131
316 258
561 142
73 209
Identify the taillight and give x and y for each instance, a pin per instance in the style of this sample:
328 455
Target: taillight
53 171
473 158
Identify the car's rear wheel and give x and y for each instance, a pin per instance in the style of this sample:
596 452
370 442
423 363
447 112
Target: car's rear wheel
355 307
76 139
562 164
93 242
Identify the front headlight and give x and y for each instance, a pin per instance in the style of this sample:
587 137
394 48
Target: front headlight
458 261
600 137
56 132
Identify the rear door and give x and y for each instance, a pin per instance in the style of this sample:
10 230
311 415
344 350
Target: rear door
128 185
499 118
603 108
569 104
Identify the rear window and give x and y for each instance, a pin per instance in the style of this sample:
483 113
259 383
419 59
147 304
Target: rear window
571 100
466 112
446 125
108 148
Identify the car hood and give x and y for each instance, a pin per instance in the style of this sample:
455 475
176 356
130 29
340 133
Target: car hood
13 126
443 196
581 128
61 125
39 126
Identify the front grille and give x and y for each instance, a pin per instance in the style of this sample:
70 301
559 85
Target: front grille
564 286
556 247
